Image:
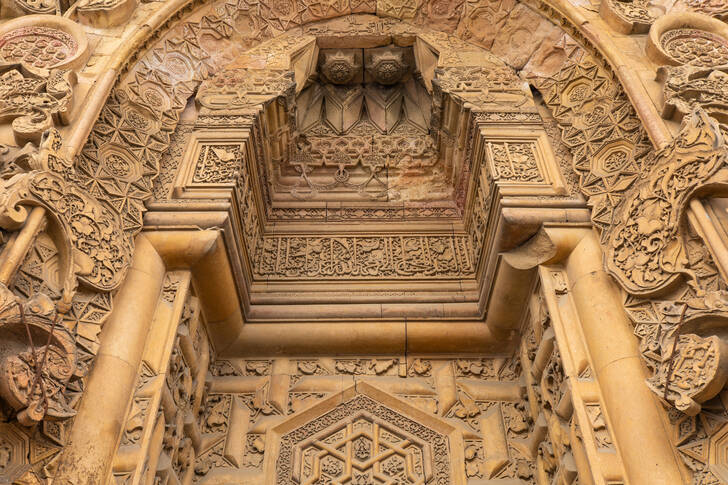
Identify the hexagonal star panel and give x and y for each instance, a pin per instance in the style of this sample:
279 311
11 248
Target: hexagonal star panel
364 436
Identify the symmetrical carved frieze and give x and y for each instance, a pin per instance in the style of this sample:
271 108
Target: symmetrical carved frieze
363 441
113 179
410 406
365 257
244 89
493 87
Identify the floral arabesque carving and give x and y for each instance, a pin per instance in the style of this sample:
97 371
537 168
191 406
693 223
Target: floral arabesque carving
696 372
34 100
715 8
484 87
36 6
244 89
646 250
638 199
695 47
34 370
96 251
687 87
91 250
630 16
426 256
105 13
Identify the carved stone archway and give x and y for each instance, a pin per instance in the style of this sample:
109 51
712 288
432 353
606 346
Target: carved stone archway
270 246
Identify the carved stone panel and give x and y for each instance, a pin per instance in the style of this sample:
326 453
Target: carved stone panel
211 163
43 41
363 435
520 161
688 39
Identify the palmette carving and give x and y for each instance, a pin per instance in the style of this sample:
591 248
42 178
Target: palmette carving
694 373
34 377
34 100
96 251
687 87
646 251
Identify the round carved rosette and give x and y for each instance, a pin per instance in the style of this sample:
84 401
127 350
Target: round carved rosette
688 39
341 67
387 68
43 41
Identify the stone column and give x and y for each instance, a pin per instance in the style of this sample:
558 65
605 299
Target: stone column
97 427
638 427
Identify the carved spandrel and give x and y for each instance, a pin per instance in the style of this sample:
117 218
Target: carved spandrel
40 357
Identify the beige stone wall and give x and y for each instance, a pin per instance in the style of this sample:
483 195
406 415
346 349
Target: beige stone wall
172 312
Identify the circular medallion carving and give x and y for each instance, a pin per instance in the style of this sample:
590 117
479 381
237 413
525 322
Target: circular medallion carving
688 38
695 47
613 158
388 68
340 67
119 163
37 46
43 41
